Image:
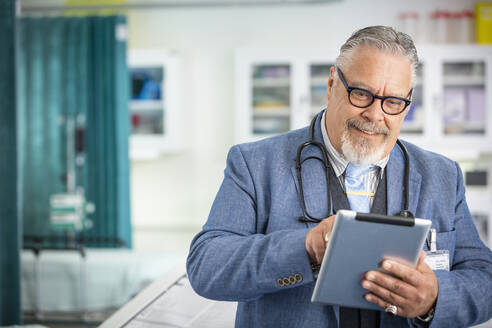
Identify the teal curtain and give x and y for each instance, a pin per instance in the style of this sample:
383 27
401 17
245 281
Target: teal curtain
10 218
72 70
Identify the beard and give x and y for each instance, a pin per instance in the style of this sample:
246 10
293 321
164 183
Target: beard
360 150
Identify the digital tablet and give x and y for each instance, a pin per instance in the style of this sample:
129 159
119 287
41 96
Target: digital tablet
358 243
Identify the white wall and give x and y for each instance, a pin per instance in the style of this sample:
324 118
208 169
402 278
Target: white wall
173 195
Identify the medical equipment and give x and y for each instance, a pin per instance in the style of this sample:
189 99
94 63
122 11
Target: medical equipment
68 210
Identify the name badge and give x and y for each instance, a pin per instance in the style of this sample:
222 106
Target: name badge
438 260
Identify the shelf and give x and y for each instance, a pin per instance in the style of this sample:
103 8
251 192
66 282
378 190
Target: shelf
320 80
271 111
459 80
414 131
465 129
270 82
146 105
412 126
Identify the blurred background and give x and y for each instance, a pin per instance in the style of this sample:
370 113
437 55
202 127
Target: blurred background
126 110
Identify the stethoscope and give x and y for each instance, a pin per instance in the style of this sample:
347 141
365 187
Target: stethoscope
309 218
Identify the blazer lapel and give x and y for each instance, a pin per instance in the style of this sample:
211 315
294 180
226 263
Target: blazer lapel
395 171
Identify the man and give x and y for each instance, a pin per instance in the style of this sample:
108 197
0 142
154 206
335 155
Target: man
259 248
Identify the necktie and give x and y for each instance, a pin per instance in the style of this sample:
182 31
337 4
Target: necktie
355 189
358 199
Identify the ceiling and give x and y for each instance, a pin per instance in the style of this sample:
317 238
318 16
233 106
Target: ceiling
32 6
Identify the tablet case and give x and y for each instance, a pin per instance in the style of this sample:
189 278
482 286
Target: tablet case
358 243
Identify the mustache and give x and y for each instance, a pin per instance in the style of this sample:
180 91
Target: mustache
367 126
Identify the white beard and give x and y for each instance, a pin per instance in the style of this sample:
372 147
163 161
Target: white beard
360 151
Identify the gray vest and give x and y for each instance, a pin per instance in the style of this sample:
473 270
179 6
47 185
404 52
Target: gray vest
350 317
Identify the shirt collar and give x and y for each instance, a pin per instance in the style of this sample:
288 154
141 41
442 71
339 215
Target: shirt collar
338 162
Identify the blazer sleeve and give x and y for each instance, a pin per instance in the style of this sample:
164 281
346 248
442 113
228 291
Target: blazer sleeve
465 292
229 259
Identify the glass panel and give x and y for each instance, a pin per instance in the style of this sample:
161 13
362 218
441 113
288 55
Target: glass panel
147 121
271 99
464 98
414 121
147 106
270 124
146 83
319 80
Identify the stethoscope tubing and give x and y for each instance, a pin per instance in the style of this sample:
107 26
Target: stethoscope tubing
325 160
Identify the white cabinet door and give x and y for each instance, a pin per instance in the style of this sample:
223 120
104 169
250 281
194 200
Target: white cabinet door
456 101
155 116
264 94
319 73
278 90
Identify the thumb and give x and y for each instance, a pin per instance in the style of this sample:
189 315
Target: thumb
421 265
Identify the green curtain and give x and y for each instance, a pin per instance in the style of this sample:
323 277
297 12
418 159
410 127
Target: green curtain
10 218
73 69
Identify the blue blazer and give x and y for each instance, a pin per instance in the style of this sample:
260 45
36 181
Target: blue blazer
253 239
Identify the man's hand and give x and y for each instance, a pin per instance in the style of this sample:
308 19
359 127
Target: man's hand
413 291
315 239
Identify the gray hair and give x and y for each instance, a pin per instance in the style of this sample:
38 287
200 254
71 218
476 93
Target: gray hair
383 38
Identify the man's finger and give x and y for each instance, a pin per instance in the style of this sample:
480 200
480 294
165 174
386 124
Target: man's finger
315 239
391 285
402 271
383 304
422 266
321 248
385 294
327 237
325 228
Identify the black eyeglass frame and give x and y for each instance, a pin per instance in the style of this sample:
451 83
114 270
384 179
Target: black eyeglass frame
382 98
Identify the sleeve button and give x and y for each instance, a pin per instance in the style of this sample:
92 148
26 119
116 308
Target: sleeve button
280 282
298 277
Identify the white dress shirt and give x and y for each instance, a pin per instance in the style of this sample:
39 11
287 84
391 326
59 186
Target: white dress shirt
339 163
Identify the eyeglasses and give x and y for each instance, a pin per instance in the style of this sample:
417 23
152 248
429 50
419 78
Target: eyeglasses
363 98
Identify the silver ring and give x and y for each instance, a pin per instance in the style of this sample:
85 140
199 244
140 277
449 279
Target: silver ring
391 309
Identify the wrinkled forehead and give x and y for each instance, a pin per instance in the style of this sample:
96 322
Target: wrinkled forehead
378 71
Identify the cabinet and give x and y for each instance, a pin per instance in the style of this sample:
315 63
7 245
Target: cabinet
456 101
154 103
479 195
273 91
451 112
